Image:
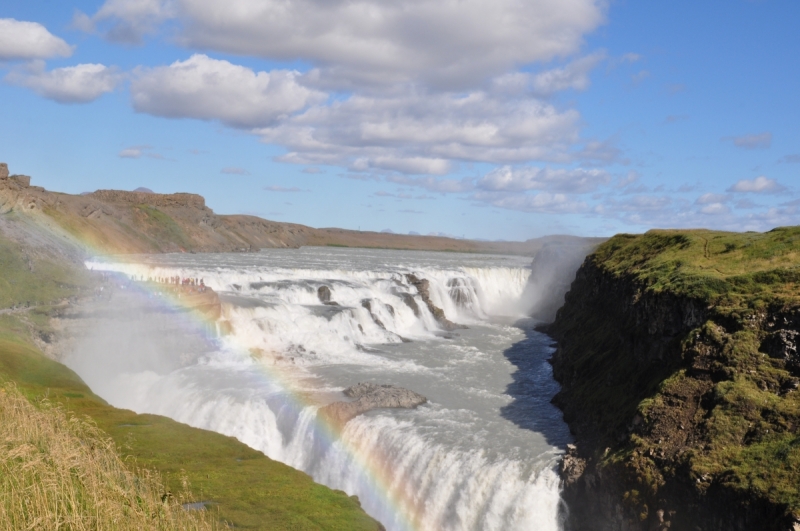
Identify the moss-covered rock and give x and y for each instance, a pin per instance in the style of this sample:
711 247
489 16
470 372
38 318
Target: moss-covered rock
677 356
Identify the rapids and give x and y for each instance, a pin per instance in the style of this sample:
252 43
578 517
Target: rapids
480 455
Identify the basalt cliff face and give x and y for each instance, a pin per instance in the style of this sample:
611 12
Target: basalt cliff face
677 355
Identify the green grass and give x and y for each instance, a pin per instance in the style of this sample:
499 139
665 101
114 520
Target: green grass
162 228
736 272
26 277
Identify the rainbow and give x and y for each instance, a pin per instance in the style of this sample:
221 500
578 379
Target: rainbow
375 471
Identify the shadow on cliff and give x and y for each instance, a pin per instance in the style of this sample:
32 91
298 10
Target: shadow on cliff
533 386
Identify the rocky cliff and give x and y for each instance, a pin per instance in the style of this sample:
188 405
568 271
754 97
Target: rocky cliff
677 355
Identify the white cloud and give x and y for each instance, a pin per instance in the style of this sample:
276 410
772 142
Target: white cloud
211 89
573 76
543 202
444 43
759 141
715 209
73 84
709 199
423 133
576 181
433 184
137 152
759 185
129 20
20 40
130 153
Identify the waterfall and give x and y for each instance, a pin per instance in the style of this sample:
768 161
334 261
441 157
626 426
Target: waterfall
452 464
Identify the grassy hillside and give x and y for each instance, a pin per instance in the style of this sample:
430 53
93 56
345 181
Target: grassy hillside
732 271
59 471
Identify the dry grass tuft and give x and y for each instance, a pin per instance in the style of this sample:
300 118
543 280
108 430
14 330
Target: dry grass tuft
58 471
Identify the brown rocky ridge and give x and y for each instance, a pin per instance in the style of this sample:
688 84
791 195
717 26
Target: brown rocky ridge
114 221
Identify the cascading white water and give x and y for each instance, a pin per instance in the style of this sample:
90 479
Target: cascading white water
460 462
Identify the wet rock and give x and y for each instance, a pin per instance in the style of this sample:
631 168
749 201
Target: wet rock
572 466
410 302
423 288
369 396
324 295
367 304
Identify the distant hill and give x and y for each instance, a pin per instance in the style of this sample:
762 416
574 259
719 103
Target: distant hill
141 221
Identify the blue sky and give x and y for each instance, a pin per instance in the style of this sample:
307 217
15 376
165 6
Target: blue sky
486 119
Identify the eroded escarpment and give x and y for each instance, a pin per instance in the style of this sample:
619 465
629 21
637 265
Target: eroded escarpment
677 355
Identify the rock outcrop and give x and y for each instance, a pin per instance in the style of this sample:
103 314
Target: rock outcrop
149 198
423 286
679 389
368 396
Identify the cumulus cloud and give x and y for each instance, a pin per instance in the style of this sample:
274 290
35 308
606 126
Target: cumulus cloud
211 89
423 133
21 40
576 181
82 83
759 141
445 43
759 185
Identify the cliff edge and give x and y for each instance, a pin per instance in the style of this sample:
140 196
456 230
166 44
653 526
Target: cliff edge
677 355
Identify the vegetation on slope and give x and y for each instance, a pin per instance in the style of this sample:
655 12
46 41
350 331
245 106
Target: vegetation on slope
681 368
60 471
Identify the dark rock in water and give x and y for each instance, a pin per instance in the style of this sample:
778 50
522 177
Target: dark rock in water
423 288
410 302
324 294
370 396
367 304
